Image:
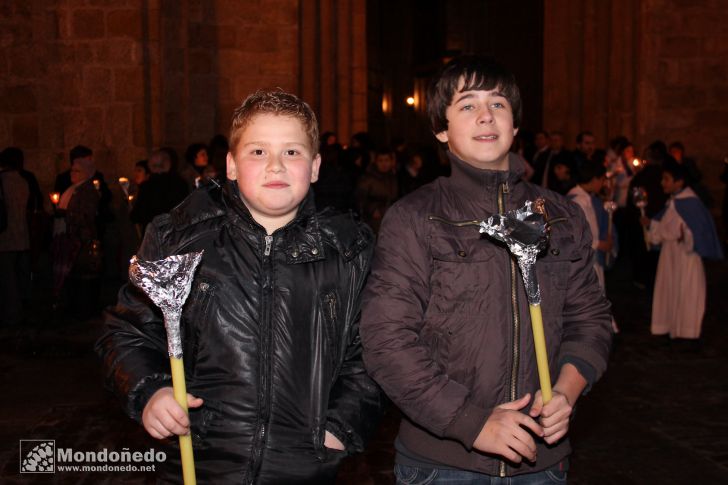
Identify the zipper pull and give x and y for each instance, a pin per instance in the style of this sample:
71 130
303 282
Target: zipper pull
505 187
268 244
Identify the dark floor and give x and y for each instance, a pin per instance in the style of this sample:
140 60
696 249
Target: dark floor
656 418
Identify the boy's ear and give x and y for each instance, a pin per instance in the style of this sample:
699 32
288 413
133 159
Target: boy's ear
515 131
442 136
231 169
315 165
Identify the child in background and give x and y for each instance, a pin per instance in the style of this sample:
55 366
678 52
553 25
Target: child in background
686 232
591 178
277 388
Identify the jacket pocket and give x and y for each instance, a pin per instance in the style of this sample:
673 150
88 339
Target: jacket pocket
461 274
329 310
194 319
200 420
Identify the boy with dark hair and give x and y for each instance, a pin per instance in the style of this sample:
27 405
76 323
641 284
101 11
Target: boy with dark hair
686 233
445 323
277 386
590 180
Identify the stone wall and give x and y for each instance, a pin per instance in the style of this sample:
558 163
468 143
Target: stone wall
126 76
648 69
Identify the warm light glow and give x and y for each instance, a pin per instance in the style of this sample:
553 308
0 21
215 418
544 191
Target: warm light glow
385 105
636 162
131 197
411 101
55 197
123 180
97 184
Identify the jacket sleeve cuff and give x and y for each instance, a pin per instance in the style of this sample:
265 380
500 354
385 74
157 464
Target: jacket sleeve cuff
467 425
586 370
144 390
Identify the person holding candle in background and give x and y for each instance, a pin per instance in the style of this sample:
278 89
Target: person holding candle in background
76 249
85 156
277 389
445 322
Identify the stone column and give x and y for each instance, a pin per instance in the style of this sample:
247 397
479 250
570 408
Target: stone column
333 77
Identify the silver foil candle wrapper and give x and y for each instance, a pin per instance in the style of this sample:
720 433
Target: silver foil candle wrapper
525 232
639 196
167 283
610 206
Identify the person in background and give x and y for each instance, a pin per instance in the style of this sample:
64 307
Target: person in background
14 243
158 195
196 156
590 179
586 146
541 143
38 221
648 179
685 231
76 248
377 190
544 164
141 173
694 178
85 156
217 150
412 175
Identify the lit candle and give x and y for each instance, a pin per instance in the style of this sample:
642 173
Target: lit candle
55 198
124 183
97 184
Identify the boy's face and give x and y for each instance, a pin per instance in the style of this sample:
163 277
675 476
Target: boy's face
669 184
562 172
384 162
201 158
274 166
479 128
676 153
140 175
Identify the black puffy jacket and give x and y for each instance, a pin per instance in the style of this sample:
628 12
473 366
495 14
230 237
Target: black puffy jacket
270 339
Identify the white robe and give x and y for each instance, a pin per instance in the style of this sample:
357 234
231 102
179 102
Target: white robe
678 302
584 200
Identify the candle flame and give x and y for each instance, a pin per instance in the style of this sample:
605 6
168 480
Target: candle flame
55 197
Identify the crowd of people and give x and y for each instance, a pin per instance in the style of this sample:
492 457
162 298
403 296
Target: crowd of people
616 186
300 315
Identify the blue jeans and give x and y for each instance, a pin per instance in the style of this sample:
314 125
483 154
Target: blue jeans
408 475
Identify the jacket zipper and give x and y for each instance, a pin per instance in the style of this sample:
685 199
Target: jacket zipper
504 190
268 243
265 363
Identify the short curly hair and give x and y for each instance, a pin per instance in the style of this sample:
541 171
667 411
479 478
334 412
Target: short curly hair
276 102
478 73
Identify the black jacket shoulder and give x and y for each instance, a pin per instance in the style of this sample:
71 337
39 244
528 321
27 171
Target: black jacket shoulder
346 234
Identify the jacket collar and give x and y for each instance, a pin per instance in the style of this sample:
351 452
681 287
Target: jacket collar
473 181
303 242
